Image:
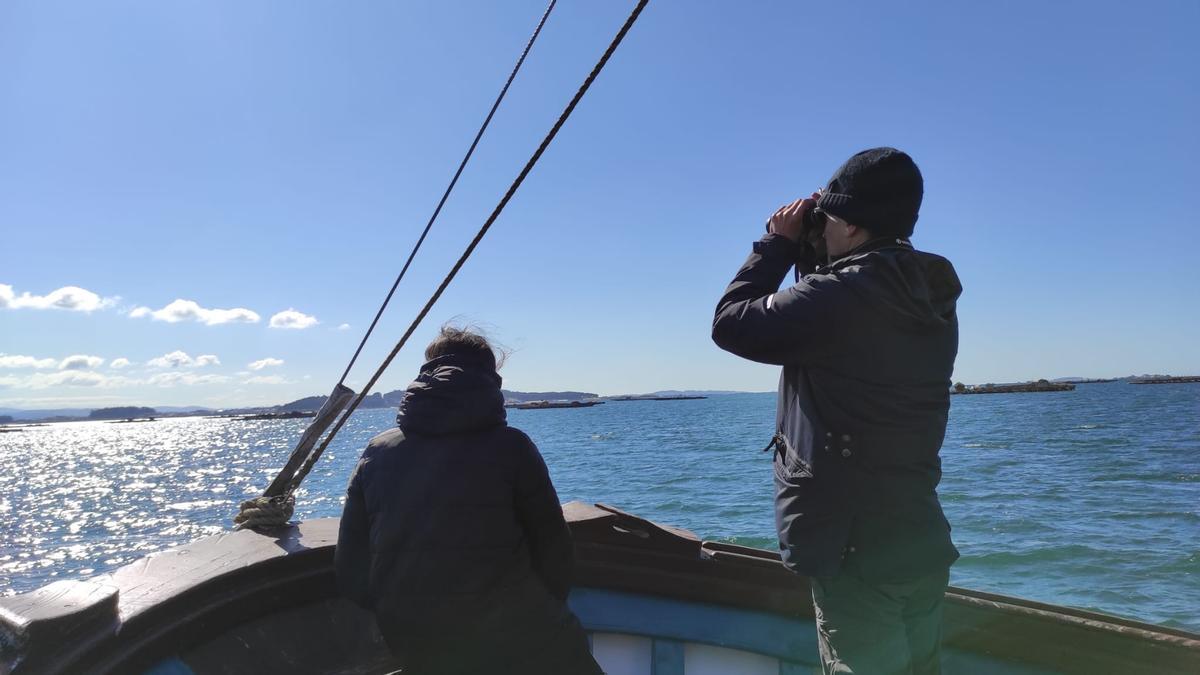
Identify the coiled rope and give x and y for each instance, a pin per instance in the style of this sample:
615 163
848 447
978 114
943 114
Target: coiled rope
276 505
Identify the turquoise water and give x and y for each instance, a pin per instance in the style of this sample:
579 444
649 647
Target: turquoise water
1089 498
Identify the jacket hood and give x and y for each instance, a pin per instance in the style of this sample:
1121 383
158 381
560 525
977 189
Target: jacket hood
452 394
913 287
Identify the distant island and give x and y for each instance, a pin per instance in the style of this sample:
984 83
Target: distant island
121 413
530 396
1067 384
591 400
548 405
1084 380
314 403
1162 379
286 415
688 393
654 398
1019 388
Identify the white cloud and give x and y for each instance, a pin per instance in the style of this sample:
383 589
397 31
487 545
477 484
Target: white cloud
181 359
175 359
76 379
174 378
93 379
72 298
66 378
344 326
290 318
190 310
119 363
73 362
18 361
84 399
265 379
268 362
80 362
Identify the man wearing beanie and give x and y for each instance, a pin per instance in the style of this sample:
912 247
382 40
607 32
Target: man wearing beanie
867 339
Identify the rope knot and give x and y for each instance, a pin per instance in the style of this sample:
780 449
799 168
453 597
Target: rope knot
265 512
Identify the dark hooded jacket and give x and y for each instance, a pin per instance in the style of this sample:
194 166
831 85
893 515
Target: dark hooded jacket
867 346
453 535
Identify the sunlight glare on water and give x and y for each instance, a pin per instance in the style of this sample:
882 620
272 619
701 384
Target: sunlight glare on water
1089 498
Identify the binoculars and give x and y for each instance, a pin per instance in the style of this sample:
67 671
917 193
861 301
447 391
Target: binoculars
814 223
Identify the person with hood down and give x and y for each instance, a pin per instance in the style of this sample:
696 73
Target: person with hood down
452 533
867 342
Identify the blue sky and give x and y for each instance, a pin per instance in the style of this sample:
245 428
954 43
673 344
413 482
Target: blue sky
280 157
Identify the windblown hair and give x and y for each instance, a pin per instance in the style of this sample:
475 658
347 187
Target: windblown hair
463 341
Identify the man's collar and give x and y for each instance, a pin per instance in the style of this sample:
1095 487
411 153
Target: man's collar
876 244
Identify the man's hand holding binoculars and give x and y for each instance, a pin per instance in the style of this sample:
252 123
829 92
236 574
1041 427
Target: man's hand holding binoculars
798 222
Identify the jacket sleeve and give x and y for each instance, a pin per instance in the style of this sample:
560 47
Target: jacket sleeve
351 556
540 514
757 321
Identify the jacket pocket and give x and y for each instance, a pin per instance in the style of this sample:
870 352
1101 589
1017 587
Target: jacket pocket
812 527
789 464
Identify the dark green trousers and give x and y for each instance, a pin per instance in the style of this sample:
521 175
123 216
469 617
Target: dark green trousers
880 628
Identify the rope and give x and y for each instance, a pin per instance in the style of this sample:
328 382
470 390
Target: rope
449 188
276 505
264 512
334 404
512 189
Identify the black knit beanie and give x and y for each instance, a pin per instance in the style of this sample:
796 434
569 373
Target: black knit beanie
879 189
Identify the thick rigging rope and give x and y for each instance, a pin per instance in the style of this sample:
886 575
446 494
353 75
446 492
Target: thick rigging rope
450 188
512 189
276 505
283 498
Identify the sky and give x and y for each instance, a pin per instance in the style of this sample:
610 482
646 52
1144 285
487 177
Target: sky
204 203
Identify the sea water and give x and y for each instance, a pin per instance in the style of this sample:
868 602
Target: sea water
1088 498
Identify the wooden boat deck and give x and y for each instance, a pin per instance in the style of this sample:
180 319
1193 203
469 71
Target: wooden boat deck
656 599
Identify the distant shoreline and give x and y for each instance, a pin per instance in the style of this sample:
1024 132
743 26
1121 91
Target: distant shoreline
1064 384
313 403
653 398
1186 379
9 422
1040 386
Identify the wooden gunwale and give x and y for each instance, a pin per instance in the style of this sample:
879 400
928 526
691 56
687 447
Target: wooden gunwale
193 593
